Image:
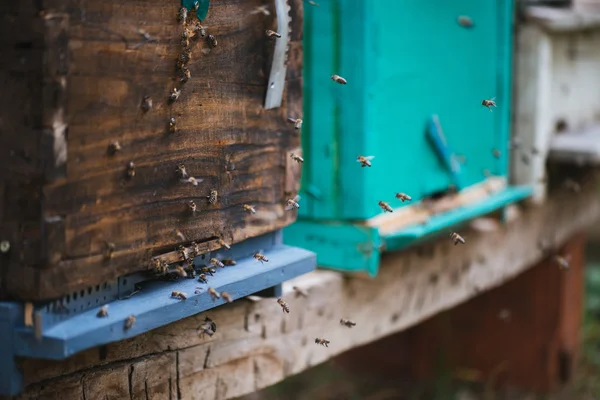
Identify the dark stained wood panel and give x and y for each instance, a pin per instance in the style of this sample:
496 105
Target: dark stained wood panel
224 137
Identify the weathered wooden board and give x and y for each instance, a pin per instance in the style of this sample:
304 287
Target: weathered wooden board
257 345
60 209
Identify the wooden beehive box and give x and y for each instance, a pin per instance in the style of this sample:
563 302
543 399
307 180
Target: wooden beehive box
73 78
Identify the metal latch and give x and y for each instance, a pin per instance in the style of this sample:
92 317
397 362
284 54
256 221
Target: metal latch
276 81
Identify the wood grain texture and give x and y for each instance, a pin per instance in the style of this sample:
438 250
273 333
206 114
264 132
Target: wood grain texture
257 345
96 68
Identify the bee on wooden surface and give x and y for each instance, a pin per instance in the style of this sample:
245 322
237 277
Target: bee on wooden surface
181 171
403 197
322 342
213 197
202 278
347 322
160 267
456 238
365 161
260 257
489 103
465 21
130 169
300 292
293 203
216 263
190 267
182 15
313 3
184 57
272 34
296 158
185 75
563 262
296 121
227 297
193 206
284 306
212 40
224 244
185 38
179 270
182 252
199 29
249 209
174 95
178 295
114 148
102 312
146 103
496 153
172 125
213 294
193 181
338 79
129 321
208 270
385 206
195 249
196 6
208 327
229 262
110 250
261 9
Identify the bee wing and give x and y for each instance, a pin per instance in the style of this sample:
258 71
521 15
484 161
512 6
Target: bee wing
292 120
369 158
288 207
297 198
493 98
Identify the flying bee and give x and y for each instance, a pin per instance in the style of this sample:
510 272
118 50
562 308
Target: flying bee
102 312
174 95
347 322
465 21
146 103
192 206
272 34
196 6
178 295
296 121
260 257
296 158
202 278
224 244
193 181
208 270
172 125
385 207
365 161
313 3
182 15
496 153
181 171
293 203
216 263
403 196
489 103
212 40
227 297
229 262
114 148
300 292
563 262
249 209
284 306
338 79
199 29
129 321
213 197
185 75
130 169
179 270
322 342
456 238
213 294
208 327
261 9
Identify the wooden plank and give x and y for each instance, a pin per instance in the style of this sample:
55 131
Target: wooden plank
411 287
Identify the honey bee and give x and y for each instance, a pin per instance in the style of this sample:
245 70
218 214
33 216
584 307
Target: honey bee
202 278
403 196
213 261
213 294
249 209
182 252
208 270
284 306
496 153
208 327
212 40
174 95
365 161
465 21
102 312
179 295
227 297
179 270
110 250
172 125
260 257
130 169
224 244
185 75
184 57
272 34
129 321
338 79
113 148
296 121
192 206
456 238
322 342
229 262
296 158
261 9
489 103
300 292
182 15
200 29
181 171
185 38
146 103
213 197
385 206
347 322
563 262
293 203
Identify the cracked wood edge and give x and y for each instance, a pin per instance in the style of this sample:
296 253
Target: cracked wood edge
256 345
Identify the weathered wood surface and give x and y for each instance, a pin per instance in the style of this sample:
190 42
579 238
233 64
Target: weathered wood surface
257 345
96 68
